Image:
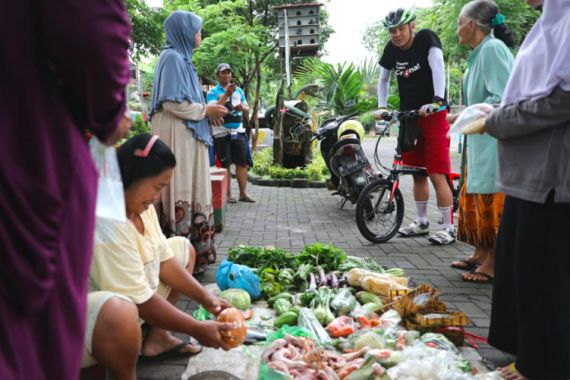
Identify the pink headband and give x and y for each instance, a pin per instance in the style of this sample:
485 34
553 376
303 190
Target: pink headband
144 153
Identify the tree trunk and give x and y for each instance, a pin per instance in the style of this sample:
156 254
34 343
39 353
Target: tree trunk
278 127
254 120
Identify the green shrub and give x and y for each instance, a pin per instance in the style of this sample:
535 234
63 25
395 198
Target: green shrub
263 166
139 127
316 168
262 161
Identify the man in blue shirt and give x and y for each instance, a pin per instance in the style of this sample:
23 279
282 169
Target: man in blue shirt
230 140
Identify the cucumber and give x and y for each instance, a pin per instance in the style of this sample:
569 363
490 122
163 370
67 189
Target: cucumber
287 318
284 295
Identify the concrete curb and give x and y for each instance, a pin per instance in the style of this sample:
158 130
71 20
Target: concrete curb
299 183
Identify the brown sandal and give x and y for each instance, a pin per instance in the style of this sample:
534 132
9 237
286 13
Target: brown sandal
481 278
464 265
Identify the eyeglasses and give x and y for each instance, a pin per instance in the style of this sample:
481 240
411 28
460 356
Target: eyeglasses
144 153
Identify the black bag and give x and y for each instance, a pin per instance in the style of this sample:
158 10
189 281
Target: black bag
232 116
409 133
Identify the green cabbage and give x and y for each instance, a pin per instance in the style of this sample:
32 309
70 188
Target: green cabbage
237 297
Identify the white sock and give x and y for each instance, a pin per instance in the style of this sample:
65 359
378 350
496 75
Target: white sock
421 212
447 215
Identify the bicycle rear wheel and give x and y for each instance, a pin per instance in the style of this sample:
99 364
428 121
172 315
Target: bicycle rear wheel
378 219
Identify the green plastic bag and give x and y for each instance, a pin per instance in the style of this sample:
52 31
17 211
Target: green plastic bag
201 314
266 373
290 330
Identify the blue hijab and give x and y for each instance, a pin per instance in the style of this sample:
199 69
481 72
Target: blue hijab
175 77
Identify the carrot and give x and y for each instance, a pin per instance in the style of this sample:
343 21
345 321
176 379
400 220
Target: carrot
375 322
364 322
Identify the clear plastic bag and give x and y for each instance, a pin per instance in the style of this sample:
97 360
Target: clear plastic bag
110 194
429 364
469 115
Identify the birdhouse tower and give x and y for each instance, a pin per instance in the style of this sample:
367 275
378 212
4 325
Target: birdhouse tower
303 28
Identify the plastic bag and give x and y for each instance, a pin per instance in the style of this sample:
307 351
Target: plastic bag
438 341
443 365
469 115
342 326
231 275
266 373
370 370
289 330
110 194
343 302
201 314
308 320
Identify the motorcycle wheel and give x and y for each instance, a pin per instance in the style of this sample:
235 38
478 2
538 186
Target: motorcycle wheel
378 219
357 189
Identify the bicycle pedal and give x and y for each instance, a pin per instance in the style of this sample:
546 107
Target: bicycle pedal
335 193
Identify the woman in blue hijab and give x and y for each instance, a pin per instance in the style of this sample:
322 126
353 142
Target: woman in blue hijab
180 118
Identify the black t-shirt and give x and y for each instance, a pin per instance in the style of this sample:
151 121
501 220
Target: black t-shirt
412 69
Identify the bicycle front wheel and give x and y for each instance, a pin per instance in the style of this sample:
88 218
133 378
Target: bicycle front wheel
378 218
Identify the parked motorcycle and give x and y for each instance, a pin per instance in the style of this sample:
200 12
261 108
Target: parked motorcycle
342 151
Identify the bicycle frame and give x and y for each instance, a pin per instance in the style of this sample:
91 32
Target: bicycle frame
398 166
381 204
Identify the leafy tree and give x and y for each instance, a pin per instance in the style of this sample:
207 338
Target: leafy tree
148 32
343 88
442 19
242 33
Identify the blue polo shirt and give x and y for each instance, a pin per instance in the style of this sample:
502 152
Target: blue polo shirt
238 97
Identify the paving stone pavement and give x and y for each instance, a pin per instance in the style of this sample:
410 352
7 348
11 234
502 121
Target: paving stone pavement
291 218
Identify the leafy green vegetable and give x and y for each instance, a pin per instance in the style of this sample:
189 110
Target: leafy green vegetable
370 264
307 297
343 302
269 284
263 257
321 305
304 270
286 278
237 297
302 276
274 281
284 295
281 306
326 256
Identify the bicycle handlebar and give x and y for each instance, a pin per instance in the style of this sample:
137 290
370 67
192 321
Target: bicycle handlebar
389 115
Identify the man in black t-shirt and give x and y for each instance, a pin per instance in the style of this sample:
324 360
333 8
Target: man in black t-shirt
417 61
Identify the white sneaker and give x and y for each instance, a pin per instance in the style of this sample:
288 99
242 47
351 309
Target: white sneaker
414 229
443 237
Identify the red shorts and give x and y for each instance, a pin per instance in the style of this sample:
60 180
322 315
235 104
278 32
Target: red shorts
432 148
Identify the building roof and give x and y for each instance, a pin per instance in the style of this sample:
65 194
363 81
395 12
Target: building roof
304 5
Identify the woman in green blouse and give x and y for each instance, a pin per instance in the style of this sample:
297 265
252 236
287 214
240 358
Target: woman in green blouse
489 63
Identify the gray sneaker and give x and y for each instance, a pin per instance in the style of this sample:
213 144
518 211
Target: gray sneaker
443 237
414 229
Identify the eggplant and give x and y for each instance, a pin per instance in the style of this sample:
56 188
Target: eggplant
323 277
343 281
334 280
312 282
